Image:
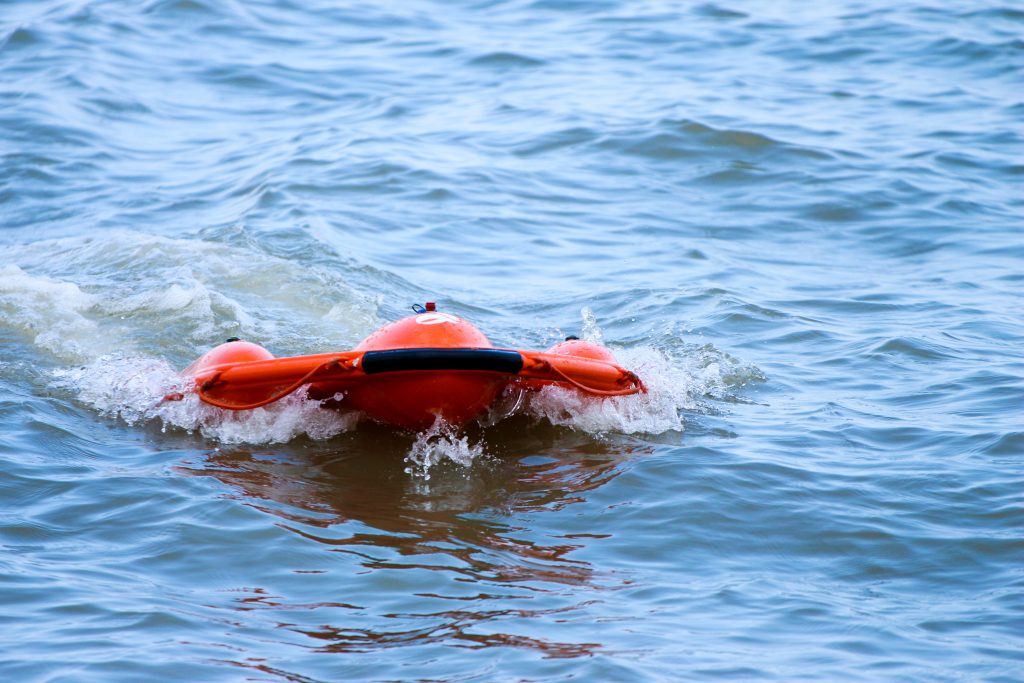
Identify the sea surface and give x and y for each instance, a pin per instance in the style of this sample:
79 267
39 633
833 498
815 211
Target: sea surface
802 223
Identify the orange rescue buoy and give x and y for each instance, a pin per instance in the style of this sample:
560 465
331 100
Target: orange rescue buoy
408 373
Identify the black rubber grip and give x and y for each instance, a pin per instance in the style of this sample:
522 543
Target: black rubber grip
402 360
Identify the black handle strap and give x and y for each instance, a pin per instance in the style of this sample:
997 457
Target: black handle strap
399 360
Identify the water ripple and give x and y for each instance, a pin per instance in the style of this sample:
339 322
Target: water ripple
800 221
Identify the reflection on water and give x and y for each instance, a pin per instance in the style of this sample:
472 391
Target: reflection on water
456 534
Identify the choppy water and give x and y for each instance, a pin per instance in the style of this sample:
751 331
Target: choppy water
802 223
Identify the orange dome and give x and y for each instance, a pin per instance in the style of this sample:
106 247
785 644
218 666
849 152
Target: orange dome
415 399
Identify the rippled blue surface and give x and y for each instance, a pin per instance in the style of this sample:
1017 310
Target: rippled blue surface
803 222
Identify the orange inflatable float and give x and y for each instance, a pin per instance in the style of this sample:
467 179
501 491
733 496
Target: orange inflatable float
408 373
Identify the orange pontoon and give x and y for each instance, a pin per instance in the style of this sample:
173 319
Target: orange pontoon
408 373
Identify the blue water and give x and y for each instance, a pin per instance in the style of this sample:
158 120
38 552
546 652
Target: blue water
802 224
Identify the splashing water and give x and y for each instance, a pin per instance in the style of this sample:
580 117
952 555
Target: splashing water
79 298
669 391
679 379
132 388
675 385
591 330
49 311
440 443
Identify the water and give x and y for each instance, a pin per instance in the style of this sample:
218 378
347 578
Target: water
801 223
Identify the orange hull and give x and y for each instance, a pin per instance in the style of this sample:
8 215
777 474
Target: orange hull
408 373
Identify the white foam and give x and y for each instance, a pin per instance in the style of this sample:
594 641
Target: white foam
132 388
669 393
188 290
279 422
679 380
52 312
